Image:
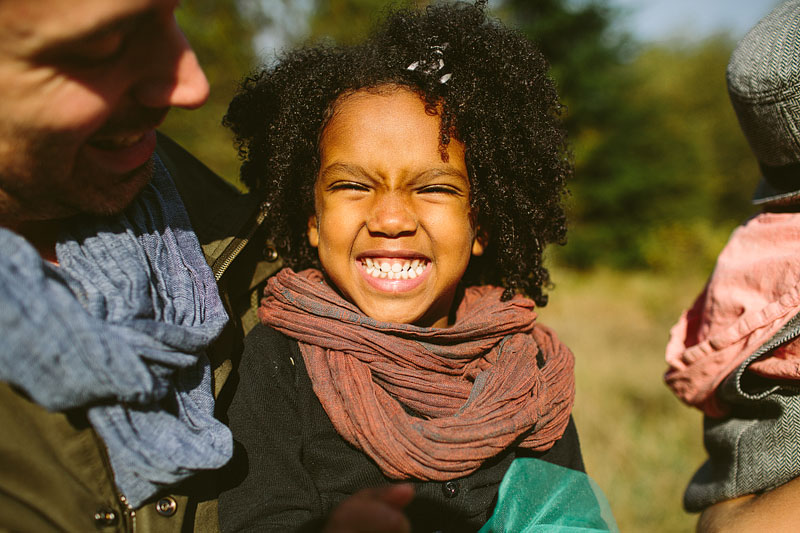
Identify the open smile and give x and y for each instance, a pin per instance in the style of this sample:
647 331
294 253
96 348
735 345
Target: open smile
394 274
123 153
393 268
126 143
118 142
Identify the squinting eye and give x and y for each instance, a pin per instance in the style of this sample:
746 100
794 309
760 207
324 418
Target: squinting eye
347 186
105 46
440 189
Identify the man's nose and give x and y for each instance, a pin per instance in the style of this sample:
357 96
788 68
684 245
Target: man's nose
392 215
174 77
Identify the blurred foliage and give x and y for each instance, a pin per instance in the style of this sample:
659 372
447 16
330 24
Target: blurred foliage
348 21
585 56
667 173
221 33
662 171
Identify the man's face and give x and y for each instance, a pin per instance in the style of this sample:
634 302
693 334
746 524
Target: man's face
83 85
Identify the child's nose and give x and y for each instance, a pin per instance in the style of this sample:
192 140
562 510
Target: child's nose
392 216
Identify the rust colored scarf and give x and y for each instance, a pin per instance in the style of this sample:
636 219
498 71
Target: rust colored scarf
493 379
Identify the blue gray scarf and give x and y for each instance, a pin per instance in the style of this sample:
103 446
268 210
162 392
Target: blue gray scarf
120 328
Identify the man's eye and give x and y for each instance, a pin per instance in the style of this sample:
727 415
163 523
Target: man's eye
100 49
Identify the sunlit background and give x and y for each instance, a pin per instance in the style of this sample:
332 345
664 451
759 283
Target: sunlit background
663 175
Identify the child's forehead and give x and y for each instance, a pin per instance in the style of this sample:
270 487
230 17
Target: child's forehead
364 112
384 93
385 106
388 134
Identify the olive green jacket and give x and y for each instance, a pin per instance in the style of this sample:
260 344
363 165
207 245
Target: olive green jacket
54 472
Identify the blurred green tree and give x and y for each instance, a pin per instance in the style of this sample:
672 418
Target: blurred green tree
667 174
348 21
662 171
221 33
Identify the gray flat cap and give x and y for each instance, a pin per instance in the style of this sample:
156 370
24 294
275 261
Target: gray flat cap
764 86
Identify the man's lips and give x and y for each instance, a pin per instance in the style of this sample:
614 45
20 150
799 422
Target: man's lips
128 130
123 153
117 142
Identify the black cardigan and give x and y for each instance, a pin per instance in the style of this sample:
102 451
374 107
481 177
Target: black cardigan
292 467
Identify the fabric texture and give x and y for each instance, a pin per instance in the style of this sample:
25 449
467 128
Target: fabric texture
754 448
753 292
493 378
573 502
294 467
119 327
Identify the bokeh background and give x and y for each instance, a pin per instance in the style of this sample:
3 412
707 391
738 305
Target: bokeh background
663 175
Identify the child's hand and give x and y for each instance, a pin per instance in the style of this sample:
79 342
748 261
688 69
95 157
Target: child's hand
378 510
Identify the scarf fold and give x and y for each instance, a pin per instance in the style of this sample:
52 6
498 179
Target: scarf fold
752 293
120 328
493 379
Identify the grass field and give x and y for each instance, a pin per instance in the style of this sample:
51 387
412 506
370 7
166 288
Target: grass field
640 443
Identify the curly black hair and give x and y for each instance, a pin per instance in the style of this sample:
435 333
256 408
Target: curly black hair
497 100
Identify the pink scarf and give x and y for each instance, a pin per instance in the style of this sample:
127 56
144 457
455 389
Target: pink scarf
476 387
753 292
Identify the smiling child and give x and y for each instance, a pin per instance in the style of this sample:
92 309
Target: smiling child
412 183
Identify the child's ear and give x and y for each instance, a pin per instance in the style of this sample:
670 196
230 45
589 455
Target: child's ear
480 242
313 232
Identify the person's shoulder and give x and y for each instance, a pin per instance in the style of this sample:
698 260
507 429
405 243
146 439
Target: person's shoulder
216 208
187 171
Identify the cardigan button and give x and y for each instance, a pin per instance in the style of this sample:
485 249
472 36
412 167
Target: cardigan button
105 516
270 253
450 489
166 506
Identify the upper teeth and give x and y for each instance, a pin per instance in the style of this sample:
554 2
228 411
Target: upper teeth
394 269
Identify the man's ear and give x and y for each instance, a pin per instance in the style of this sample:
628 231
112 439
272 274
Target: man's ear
313 232
480 242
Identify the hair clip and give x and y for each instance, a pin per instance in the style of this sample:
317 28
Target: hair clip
433 64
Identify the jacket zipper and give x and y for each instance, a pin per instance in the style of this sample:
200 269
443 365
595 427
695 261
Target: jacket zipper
237 245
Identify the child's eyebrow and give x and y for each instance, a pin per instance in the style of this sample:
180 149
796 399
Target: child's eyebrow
446 170
356 170
343 168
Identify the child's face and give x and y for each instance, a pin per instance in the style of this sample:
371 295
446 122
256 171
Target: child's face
385 200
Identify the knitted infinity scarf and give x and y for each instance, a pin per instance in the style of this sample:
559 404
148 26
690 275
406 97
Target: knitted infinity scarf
493 379
120 328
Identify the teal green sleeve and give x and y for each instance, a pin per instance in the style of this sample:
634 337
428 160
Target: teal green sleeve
539 496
